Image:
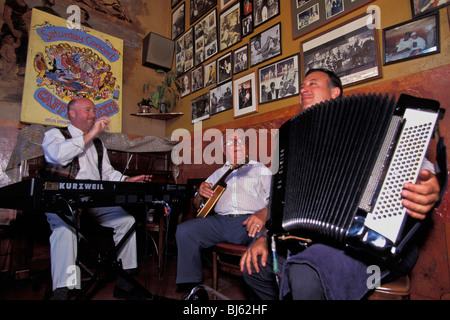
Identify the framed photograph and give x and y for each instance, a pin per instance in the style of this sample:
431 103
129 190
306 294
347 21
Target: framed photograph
351 50
206 38
265 45
200 108
308 15
225 68
210 74
247 7
244 93
225 4
221 98
197 79
247 25
419 7
279 80
263 11
178 22
199 7
185 81
240 59
230 27
174 3
184 52
412 39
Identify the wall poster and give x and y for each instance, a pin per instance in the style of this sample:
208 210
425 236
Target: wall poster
64 63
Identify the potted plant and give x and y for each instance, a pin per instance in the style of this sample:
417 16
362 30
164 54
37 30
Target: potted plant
146 103
167 93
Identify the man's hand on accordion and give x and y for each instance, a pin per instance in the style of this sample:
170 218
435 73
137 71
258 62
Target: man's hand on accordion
420 198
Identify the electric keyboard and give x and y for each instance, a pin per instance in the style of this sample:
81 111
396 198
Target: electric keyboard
52 195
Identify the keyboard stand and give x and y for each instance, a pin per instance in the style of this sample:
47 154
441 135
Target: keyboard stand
108 260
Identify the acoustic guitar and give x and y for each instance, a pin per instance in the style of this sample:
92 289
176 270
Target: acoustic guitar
219 187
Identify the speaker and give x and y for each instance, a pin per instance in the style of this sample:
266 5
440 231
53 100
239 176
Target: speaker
157 51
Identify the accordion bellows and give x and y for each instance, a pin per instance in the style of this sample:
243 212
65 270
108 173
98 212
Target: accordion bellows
342 165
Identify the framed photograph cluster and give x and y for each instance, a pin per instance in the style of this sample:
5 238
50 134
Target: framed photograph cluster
230 27
184 52
351 50
205 33
265 45
412 39
308 15
279 80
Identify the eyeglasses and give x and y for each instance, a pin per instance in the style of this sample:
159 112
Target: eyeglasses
231 142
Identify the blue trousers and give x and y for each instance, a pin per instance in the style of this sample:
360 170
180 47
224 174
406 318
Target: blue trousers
197 234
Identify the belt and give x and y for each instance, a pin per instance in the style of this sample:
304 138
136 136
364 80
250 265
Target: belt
236 215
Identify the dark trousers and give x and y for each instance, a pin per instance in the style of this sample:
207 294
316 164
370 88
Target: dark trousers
197 234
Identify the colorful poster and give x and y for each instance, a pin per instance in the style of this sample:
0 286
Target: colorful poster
65 63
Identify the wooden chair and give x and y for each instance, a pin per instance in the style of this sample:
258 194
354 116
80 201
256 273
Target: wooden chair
399 289
234 250
155 230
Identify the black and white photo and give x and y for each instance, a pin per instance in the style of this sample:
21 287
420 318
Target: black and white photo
200 108
240 59
221 98
197 79
224 68
265 45
199 7
185 81
350 50
264 10
178 22
279 80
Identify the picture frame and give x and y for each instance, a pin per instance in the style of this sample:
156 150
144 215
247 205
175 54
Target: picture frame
244 95
197 79
175 3
185 81
184 52
264 11
240 59
178 17
247 7
230 27
199 7
225 4
205 34
308 15
350 49
221 98
279 80
265 45
200 108
210 74
412 39
247 25
421 7
224 68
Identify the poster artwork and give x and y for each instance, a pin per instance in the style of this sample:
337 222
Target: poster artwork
63 64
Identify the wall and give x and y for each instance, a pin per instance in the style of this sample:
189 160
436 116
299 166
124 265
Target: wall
392 12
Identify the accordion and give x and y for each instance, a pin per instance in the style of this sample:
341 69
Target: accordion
342 167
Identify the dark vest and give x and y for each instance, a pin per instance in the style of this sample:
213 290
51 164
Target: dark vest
70 170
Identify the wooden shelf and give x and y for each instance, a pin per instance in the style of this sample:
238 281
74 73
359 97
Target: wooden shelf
159 116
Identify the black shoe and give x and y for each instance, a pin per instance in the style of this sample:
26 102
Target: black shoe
133 294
